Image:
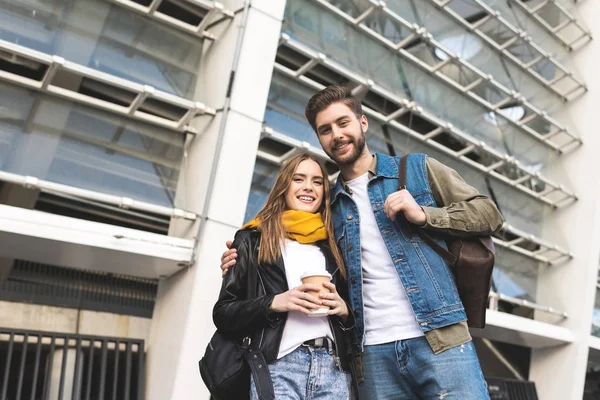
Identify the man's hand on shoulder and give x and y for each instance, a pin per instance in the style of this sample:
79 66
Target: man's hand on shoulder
228 258
403 202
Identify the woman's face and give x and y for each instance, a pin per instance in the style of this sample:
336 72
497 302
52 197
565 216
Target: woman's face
305 192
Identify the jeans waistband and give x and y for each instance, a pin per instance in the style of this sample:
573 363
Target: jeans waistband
318 343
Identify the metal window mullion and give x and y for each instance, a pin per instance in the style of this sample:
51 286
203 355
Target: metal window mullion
497 47
154 6
404 104
365 14
435 71
123 202
310 64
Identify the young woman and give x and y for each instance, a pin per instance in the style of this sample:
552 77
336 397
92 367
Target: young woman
307 355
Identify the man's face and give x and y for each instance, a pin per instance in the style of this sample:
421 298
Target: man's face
341 133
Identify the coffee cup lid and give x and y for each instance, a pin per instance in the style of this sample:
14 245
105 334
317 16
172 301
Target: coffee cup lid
315 273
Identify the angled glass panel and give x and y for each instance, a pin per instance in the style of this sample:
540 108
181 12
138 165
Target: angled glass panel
108 38
262 182
285 109
66 143
308 23
520 20
596 315
515 275
476 51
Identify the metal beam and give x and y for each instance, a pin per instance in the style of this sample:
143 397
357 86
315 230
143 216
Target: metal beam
119 201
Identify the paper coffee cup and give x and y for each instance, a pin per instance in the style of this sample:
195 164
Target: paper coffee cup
317 278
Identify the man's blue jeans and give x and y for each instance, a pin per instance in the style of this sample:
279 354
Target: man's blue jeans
305 374
408 369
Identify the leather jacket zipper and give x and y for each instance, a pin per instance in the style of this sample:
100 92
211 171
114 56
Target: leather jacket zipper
262 333
338 362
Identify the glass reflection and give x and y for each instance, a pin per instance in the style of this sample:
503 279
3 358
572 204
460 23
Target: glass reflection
66 143
107 38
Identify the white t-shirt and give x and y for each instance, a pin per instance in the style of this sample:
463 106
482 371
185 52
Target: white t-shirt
299 327
387 310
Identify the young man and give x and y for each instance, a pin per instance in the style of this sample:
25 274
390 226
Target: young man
411 326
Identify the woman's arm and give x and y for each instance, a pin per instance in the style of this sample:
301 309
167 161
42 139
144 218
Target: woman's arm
234 312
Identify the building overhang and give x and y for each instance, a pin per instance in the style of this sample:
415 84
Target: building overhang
507 328
76 243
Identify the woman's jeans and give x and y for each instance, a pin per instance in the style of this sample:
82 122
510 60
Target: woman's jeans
307 373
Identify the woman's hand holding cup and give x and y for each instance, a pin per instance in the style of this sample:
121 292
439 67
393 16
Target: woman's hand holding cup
297 299
337 306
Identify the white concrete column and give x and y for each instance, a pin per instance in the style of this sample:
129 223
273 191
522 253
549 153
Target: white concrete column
559 372
215 182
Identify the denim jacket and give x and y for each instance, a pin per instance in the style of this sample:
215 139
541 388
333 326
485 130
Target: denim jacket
426 277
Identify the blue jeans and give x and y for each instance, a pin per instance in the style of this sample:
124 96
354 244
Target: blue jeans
305 374
408 369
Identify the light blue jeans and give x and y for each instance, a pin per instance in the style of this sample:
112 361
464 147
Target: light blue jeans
408 370
306 374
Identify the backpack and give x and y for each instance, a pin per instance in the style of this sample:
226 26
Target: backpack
472 261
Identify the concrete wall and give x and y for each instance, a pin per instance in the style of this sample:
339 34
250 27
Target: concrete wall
559 373
70 320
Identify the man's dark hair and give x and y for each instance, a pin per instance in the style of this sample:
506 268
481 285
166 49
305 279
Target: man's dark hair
326 97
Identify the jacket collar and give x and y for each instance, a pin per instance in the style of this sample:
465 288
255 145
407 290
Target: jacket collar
382 166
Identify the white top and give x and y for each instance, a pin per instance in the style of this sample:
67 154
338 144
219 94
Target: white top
387 310
299 327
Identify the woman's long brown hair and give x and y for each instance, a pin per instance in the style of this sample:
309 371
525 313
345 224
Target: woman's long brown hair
271 225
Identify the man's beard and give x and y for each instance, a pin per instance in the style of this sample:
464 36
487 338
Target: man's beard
359 146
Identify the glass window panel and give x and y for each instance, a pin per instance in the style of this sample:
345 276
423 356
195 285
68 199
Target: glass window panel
519 209
285 109
108 38
263 180
515 275
373 60
66 143
596 315
521 20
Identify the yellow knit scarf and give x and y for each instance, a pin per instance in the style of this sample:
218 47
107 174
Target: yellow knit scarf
301 226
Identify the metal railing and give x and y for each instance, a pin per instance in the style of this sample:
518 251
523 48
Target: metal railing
60 366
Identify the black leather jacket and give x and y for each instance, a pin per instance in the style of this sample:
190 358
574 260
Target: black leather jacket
235 315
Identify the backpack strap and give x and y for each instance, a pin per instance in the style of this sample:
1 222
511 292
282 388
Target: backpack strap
442 252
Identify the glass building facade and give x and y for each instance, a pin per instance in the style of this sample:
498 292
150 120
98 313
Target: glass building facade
137 135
